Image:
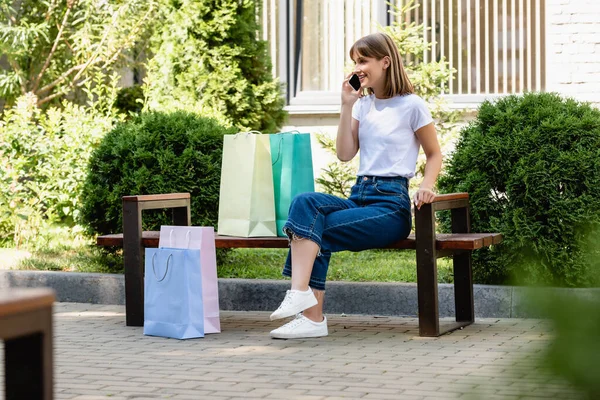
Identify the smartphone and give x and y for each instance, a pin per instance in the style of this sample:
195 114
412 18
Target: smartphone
354 82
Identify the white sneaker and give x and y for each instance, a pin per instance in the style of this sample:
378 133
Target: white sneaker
301 327
295 301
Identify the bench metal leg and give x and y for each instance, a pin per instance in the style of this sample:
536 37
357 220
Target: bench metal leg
427 288
133 252
463 288
463 275
134 264
28 362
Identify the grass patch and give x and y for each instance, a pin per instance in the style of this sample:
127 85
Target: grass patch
79 259
64 249
364 266
60 248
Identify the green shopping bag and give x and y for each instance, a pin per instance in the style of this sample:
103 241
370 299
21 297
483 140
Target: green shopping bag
246 206
292 171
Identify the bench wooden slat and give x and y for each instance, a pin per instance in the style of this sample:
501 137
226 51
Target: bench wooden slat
18 301
451 196
231 242
157 197
445 241
496 238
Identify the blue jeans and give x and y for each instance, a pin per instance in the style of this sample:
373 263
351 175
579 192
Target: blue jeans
376 214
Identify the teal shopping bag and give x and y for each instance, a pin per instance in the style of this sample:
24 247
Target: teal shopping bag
292 171
173 305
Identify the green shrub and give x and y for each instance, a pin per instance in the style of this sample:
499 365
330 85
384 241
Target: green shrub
154 153
130 99
207 59
531 165
43 159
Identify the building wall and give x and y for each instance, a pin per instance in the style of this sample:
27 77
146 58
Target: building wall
573 48
572 66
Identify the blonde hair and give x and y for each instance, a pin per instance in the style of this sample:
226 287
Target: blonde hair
379 45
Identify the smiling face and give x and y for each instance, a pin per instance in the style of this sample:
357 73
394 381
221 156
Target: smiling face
379 66
370 71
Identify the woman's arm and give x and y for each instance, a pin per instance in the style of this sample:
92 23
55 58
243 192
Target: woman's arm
428 138
346 144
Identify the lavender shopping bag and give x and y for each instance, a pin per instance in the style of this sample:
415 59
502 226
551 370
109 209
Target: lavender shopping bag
202 238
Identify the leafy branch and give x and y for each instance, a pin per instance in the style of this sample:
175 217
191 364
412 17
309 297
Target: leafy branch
56 40
72 41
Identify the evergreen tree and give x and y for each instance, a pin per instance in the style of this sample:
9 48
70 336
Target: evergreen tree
208 60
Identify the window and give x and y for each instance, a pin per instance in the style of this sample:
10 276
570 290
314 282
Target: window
309 42
495 46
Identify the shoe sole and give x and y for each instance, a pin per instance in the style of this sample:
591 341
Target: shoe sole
301 308
284 336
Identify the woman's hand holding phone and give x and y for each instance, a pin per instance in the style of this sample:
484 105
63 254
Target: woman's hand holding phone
354 82
349 93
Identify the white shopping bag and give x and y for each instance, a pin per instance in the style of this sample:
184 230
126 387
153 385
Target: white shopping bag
246 197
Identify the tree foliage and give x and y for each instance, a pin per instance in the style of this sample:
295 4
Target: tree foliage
208 60
531 165
53 48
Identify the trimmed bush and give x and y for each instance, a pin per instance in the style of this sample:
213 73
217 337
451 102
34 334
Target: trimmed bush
150 154
531 165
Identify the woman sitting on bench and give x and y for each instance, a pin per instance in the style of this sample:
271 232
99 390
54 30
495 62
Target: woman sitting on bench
389 123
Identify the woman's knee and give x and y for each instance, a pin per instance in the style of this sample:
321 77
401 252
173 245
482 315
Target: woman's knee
303 200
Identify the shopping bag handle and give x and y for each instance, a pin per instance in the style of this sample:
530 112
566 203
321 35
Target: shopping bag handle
166 270
281 141
188 236
278 152
294 131
247 133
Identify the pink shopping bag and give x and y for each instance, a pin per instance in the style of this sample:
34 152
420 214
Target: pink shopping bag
202 238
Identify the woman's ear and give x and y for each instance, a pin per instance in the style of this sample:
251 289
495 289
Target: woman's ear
386 62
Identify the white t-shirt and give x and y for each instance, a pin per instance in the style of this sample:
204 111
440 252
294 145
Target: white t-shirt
386 134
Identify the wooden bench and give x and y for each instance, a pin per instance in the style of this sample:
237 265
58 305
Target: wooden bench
429 247
26 328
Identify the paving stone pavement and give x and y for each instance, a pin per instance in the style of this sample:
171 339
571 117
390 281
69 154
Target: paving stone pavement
366 357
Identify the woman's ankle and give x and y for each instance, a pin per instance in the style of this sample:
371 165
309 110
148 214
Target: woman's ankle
300 288
313 316
315 313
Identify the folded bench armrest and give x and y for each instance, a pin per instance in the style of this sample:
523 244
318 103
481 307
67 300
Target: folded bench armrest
157 197
450 201
154 201
133 248
458 203
425 241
